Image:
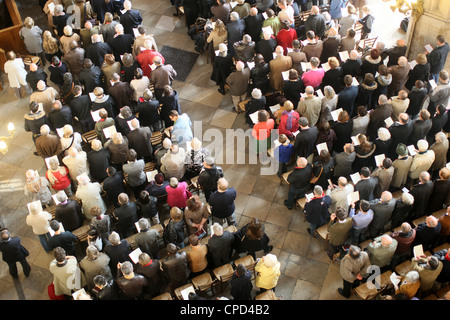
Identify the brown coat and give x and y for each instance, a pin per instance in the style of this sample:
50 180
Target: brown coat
399 77
75 60
238 82
277 66
197 258
48 145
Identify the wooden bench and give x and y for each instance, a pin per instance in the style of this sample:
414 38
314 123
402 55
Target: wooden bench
267 295
157 138
87 137
368 291
323 234
82 232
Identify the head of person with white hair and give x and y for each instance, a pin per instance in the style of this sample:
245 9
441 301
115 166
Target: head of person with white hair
424 177
256 93
234 16
167 143
127 5
196 144
309 91
386 196
223 49
114 238
384 134
422 145
68 31
279 51
440 137
96 145
402 61
270 260
61 196
353 55
45 130
119 29
217 229
41 85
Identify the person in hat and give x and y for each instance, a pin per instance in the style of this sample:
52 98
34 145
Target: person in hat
401 167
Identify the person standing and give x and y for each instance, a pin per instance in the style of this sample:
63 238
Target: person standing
13 252
353 268
438 57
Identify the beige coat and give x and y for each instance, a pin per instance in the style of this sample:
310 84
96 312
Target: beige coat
427 276
67 279
421 162
440 154
401 170
310 109
398 106
46 97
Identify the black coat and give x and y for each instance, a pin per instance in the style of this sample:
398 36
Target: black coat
420 72
148 210
241 286
96 52
153 274
420 130
330 48
235 31
59 118
427 236
148 112
69 214
220 248
221 69
399 134
304 144
130 19
98 161
416 98
439 196
57 72
33 77
126 215
81 108
366 188
254 105
169 103
140 140
266 48
343 132
121 44
422 194
253 25
346 99
12 251
400 213
299 178
118 253
260 77
351 67
91 78
113 186
292 90
333 78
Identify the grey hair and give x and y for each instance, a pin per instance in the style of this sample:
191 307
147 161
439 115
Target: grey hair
412 276
318 190
61 196
407 198
329 92
92 252
384 134
143 223
440 136
114 238
256 93
126 267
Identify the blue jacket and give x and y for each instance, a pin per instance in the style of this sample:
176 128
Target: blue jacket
335 8
283 153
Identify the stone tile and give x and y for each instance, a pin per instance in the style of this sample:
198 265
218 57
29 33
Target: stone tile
223 119
296 243
167 23
313 271
305 290
256 208
279 215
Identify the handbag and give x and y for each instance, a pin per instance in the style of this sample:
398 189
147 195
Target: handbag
314 178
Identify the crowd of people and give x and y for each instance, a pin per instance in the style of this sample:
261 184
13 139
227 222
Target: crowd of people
350 119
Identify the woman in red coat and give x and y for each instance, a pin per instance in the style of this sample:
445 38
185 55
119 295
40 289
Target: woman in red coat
289 120
285 36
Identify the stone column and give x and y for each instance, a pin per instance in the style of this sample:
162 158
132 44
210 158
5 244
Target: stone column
434 21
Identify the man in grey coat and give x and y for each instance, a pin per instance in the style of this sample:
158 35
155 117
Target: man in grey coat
343 161
353 268
147 239
381 250
238 83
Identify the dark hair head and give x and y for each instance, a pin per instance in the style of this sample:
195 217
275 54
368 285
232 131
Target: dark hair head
365 172
364 205
34 106
324 156
132 155
111 171
361 110
255 229
241 270
193 240
387 163
138 73
60 254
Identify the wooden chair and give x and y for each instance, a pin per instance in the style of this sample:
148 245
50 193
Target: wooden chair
223 274
194 185
267 295
248 262
132 242
164 296
203 283
285 176
358 30
323 234
178 291
157 138
241 106
305 15
298 21
29 59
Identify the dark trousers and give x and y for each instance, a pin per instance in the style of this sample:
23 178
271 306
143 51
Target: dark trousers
13 268
348 286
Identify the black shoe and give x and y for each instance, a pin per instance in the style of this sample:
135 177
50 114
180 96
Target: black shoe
285 203
270 249
175 14
234 110
36 154
341 292
309 231
221 91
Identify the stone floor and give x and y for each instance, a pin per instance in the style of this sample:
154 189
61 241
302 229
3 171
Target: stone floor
307 273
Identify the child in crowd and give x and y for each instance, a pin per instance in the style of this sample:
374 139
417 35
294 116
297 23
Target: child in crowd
283 153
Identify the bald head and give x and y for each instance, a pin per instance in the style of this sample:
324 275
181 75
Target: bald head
302 162
386 240
386 196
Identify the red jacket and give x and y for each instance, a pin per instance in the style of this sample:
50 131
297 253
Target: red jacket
145 59
283 122
285 38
